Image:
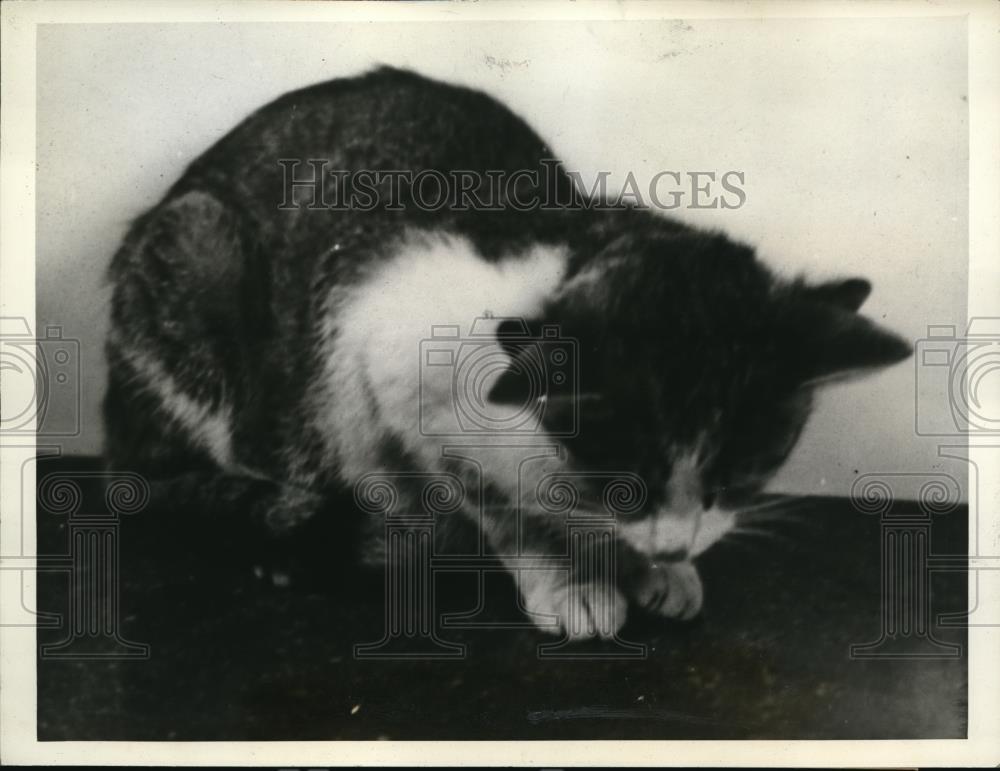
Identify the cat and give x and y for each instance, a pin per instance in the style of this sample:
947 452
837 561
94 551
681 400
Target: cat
265 356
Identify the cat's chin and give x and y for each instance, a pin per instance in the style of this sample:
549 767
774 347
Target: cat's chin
715 523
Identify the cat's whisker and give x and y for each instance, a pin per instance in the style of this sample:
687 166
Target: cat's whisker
755 531
795 521
773 503
761 533
784 510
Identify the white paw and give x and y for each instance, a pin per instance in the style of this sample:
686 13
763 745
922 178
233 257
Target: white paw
671 589
582 611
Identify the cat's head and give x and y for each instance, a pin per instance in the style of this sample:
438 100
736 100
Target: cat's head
697 370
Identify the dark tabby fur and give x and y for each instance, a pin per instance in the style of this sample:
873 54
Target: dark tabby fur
697 364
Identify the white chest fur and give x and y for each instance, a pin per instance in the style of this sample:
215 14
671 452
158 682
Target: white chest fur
377 381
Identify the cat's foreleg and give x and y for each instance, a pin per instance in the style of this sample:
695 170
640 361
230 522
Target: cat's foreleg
581 603
668 588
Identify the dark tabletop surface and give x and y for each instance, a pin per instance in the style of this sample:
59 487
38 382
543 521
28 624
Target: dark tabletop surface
232 656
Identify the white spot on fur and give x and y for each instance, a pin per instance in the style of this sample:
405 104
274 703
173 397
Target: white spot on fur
714 524
208 427
685 490
376 384
590 280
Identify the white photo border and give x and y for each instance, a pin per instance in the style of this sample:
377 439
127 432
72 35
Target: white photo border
18 652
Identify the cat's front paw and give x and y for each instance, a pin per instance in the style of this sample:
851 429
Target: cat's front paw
583 610
671 589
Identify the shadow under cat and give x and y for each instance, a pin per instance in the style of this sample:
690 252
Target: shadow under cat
232 656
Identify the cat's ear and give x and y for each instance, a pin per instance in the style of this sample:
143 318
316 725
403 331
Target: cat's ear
837 344
849 294
515 386
525 381
542 371
559 409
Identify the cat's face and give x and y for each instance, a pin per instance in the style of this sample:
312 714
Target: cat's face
697 372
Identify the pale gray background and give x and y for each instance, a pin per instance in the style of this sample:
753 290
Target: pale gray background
852 134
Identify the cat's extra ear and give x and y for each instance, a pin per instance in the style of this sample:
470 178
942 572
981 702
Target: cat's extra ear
849 294
836 344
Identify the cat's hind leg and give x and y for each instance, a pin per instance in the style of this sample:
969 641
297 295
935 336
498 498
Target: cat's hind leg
189 320
232 509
